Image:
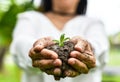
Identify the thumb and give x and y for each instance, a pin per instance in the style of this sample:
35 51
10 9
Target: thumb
80 46
42 42
80 43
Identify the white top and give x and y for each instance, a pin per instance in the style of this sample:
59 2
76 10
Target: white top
33 25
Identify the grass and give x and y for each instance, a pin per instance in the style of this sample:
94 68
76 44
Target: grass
10 72
110 78
114 60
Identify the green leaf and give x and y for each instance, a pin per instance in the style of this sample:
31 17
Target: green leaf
62 38
66 39
56 41
61 44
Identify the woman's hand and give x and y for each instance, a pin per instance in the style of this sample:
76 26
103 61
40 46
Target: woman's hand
82 59
44 59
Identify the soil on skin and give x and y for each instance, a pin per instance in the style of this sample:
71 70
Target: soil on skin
63 53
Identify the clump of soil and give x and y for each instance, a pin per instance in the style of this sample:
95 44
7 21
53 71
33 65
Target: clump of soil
63 53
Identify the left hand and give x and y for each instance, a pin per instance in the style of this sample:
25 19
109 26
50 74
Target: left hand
82 59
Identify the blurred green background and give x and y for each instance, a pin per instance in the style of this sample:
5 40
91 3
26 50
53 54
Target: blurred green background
9 72
9 9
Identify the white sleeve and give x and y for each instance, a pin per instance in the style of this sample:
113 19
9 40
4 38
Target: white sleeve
23 39
96 35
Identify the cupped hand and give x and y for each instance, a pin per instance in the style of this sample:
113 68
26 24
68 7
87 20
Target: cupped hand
82 59
44 59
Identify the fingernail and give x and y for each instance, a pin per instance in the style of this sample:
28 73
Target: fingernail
57 62
71 61
54 56
54 63
79 48
57 71
72 54
37 48
67 73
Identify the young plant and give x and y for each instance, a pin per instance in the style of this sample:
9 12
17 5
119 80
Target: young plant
61 40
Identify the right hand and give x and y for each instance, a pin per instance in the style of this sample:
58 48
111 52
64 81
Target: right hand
44 59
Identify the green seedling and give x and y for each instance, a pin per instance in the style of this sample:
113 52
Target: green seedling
62 40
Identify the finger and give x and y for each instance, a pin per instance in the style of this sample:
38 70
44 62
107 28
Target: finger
90 61
71 73
75 39
57 63
43 64
78 65
31 53
89 49
45 53
49 71
80 43
57 72
43 42
54 71
35 56
85 58
38 48
47 64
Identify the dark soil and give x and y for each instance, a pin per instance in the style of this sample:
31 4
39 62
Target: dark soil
63 53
